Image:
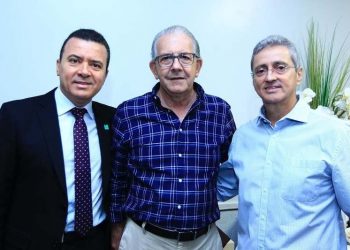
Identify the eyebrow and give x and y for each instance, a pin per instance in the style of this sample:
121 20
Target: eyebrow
90 60
96 61
273 63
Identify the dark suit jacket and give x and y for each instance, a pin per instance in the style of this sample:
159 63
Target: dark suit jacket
33 195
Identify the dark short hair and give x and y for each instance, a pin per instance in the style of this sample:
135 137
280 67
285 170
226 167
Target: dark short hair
276 40
88 35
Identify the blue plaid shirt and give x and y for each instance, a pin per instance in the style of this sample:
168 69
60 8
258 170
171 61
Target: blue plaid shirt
164 170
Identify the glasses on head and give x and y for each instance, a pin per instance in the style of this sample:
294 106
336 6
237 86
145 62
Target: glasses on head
278 67
167 60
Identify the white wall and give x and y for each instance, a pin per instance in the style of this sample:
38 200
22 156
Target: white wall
33 31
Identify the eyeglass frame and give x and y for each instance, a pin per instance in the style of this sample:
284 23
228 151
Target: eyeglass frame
173 56
273 69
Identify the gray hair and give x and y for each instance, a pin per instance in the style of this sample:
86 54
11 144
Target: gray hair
171 30
276 40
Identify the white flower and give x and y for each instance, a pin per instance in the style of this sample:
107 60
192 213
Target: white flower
347 93
346 98
340 107
307 95
340 104
325 110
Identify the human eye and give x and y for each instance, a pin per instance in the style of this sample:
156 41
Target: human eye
166 59
280 67
186 57
260 71
96 65
73 60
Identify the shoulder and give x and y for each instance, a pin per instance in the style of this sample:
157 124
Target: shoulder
248 129
136 105
103 111
215 103
28 103
103 107
212 99
209 99
326 123
216 106
137 101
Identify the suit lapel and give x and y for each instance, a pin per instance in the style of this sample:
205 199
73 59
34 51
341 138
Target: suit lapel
104 134
48 119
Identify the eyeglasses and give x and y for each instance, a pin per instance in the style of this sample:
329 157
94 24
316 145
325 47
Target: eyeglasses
167 60
279 68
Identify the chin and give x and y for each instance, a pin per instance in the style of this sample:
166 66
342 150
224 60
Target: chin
272 100
177 89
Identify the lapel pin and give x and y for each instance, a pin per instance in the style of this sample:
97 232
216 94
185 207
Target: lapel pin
106 127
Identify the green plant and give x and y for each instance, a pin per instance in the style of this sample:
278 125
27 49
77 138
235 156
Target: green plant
327 72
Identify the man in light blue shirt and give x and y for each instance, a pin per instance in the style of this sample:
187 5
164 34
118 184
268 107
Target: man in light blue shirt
291 164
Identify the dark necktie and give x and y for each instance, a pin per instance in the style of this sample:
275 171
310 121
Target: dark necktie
82 174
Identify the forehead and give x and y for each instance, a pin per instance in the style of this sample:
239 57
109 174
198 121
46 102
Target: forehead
174 43
83 48
272 54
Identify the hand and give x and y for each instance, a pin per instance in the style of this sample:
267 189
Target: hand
347 234
116 235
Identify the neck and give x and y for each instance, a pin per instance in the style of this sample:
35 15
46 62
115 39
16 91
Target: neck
179 104
180 101
274 112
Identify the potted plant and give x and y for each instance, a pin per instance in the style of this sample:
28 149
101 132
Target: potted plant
327 74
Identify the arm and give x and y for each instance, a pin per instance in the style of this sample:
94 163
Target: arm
7 166
116 235
230 128
341 171
119 178
227 184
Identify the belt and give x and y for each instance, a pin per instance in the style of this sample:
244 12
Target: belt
74 236
173 234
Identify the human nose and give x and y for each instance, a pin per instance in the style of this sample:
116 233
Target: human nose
270 74
84 69
176 63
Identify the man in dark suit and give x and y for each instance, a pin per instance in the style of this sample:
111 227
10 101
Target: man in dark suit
38 159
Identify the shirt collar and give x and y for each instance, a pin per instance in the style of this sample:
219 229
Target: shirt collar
64 105
299 113
198 88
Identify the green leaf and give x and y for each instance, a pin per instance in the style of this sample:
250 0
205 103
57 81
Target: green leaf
327 72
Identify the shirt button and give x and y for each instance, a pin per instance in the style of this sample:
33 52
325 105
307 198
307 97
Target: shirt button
180 129
180 180
178 206
180 155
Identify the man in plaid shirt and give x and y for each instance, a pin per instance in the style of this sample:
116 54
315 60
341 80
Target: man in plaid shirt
168 146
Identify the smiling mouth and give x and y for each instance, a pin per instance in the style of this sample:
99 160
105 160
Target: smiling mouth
81 82
272 87
177 78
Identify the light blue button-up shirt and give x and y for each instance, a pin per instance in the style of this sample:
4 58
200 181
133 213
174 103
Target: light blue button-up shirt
293 180
66 123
